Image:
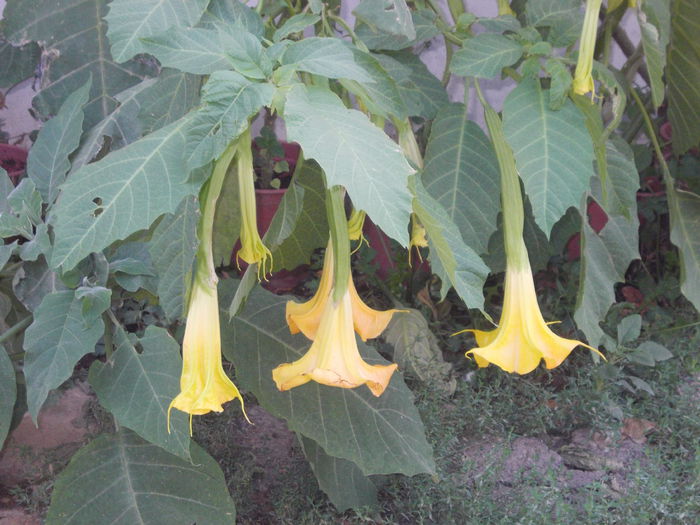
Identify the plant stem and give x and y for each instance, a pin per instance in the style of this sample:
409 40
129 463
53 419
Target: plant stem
16 328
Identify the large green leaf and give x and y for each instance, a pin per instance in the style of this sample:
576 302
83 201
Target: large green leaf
121 126
72 34
33 281
131 20
8 393
231 15
121 479
683 75
685 223
152 377
381 435
56 339
484 55
461 173
655 25
622 181
353 152
293 243
391 16
17 63
295 24
204 51
553 151
422 93
173 247
229 100
328 57
169 99
344 483
48 162
605 257
423 22
381 96
456 264
121 194
563 18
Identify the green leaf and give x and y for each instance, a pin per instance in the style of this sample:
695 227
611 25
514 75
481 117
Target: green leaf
381 95
416 351
121 126
485 55
153 377
173 247
421 91
17 64
381 435
391 16
353 152
328 57
119 478
641 356
47 163
6 187
39 245
33 281
605 257
563 18
54 342
655 24
6 251
683 76
453 261
684 207
560 85
423 21
657 351
629 328
169 99
204 51
23 211
461 173
622 181
229 100
232 15
553 151
94 300
130 20
73 37
300 224
295 24
8 393
341 480
121 194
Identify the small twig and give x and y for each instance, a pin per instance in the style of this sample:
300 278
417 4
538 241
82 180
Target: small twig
16 328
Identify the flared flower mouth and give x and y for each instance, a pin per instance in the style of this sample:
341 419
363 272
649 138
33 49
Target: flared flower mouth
306 317
204 386
522 338
334 358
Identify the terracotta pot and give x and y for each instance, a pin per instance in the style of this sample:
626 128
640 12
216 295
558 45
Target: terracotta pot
14 160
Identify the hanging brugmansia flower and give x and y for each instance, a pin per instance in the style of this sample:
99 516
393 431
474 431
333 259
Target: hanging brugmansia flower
583 81
204 386
418 239
522 338
253 250
356 223
331 319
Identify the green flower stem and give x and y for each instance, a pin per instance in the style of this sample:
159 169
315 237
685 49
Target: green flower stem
408 143
340 240
208 197
587 46
16 328
511 196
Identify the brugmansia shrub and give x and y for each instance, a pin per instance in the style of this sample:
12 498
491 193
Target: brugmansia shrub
141 182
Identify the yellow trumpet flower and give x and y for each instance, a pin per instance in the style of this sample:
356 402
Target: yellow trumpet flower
253 250
204 386
583 81
306 317
334 358
522 338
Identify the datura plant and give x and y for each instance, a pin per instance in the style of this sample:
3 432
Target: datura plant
125 237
